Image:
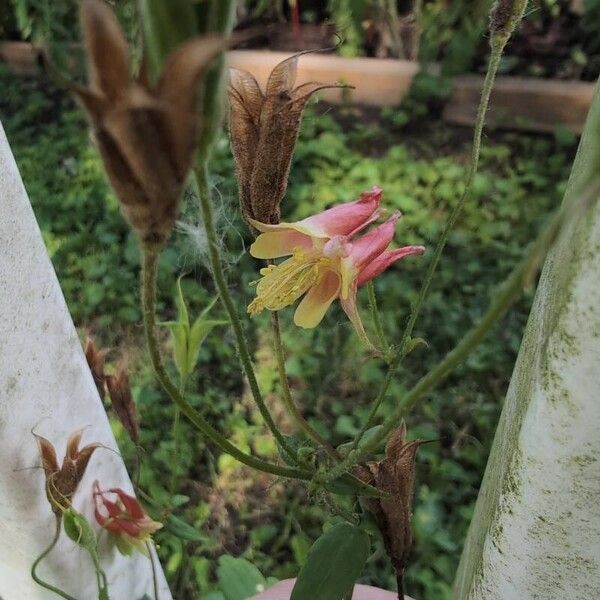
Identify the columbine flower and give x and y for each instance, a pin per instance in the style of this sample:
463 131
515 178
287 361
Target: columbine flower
124 518
146 133
62 481
263 129
328 261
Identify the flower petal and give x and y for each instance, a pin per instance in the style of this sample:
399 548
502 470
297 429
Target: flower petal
343 219
351 309
314 305
384 260
372 244
346 218
273 244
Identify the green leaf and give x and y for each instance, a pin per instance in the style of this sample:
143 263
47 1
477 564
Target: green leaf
78 528
200 329
182 530
166 25
182 312
179 336
334 563
239 579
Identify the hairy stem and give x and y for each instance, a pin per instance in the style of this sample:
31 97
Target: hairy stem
504 297
227 301
41 557
150 259
375 315
498 44
288 401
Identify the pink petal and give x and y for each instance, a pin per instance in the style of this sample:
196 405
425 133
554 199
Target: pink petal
369 246
346 218
273 244
351 309
318 299
132 506
384 260
343 219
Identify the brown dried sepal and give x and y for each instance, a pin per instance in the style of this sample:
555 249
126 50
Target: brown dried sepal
95 359
123 404
62 481
263 128
395 475
146 134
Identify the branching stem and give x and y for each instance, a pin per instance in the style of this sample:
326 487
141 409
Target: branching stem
150 259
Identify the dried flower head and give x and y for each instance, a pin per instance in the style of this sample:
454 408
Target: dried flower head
395 475
95 359
124 518
263 128
146 134
123 404
62 481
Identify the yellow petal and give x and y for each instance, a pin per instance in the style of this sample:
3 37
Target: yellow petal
274 244
314 305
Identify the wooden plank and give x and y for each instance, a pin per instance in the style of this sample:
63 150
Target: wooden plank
523 103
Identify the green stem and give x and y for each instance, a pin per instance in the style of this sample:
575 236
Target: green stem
497 45
288 401
149 265
504 297
153 567
41 557
227 301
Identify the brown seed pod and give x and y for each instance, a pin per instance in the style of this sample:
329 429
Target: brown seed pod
146 134
263 128
395 475
123 404
62 481
95 359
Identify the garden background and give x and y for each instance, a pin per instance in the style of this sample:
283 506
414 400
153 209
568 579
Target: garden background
222 508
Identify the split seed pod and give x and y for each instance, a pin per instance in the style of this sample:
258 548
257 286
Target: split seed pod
146 133
95 359
62 481
263 128
123 404
395 475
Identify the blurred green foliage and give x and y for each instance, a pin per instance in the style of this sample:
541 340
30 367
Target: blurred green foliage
221 509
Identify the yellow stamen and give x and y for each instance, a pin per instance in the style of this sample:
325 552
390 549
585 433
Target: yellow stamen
281 285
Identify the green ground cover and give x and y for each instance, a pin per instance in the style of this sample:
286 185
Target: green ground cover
220 508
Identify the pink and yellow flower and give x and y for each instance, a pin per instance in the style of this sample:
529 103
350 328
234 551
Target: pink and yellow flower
328 260
124 518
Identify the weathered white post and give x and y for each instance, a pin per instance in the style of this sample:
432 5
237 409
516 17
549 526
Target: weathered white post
45 386
536 528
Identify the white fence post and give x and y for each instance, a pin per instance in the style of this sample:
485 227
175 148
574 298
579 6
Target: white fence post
536 529
45 385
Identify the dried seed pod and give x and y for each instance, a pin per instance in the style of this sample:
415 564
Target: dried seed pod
395 475
123 404
146 135
263 129
62 481
95 359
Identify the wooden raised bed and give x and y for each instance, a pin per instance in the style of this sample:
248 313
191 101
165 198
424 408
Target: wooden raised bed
517 103
523 103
